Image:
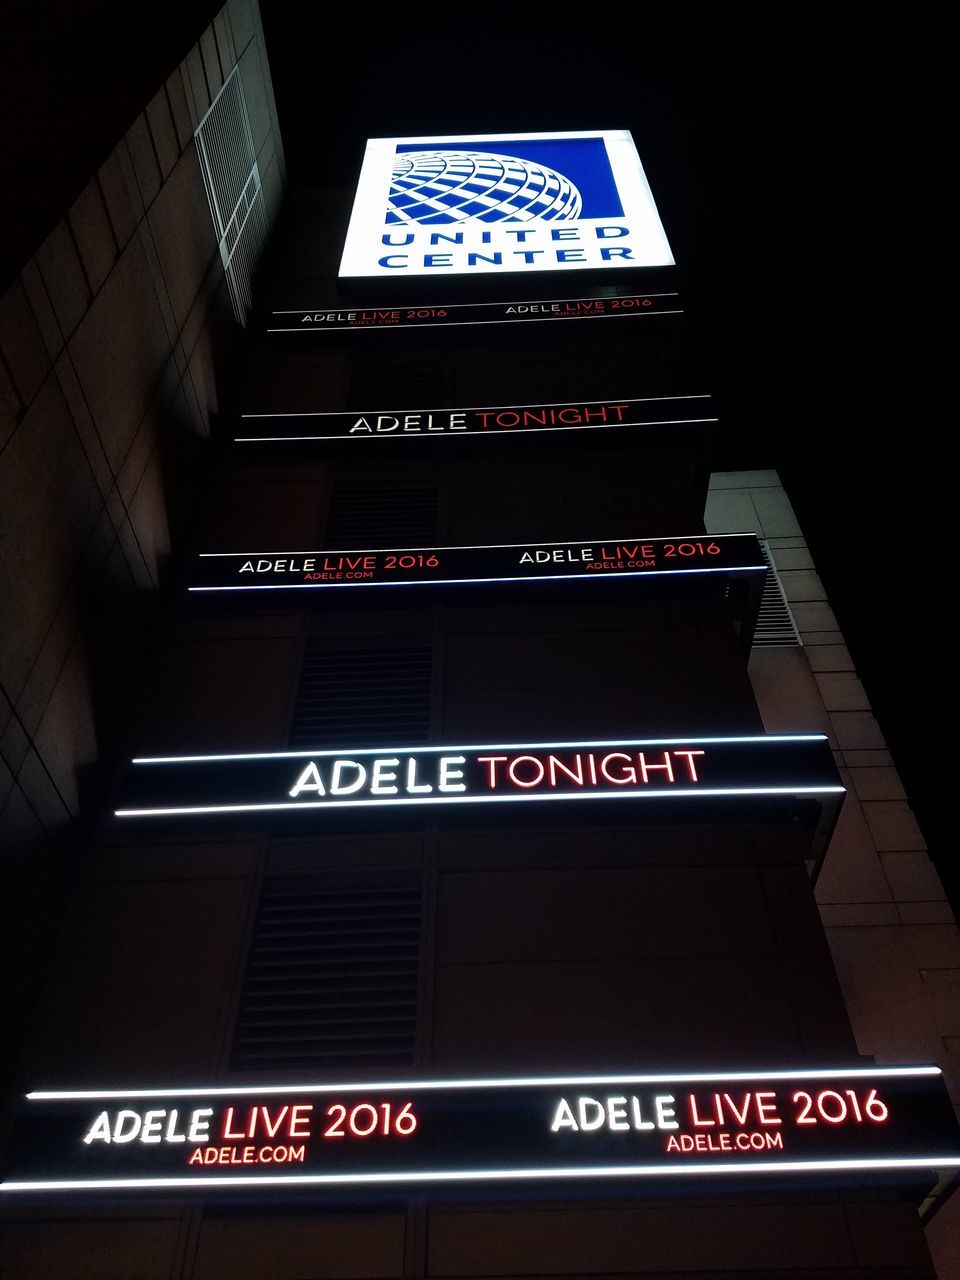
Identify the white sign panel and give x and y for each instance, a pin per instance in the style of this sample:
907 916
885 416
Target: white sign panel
503 202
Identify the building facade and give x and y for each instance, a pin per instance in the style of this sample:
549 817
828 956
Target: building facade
722 936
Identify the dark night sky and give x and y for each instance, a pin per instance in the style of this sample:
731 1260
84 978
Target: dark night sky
799 159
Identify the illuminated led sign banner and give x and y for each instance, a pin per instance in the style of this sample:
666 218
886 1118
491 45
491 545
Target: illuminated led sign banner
476 204
649 1129
534 562
666 769
487 420
334 320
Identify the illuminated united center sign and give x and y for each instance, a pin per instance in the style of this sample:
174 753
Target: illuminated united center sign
487 420
499 202
646 1129
666 769
693 556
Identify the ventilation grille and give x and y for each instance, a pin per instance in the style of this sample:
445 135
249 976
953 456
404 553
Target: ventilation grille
350 696
407 516
232 179
775 624
332 973
395 387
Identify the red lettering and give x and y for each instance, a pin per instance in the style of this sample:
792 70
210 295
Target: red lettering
363 1130
740 1115
491 762
227 1120
700 1122
630 774
836 1113
691 767
767 1111
645 768
554 764
532 782
300 1116
272 1128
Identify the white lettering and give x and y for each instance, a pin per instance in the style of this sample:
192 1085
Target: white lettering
564 1119
449 775
588 1122
100 1129
152 1130
617 1113
126 1135
665 1112
309 780
200 1125
171 1135
638 1120
415 788
346 789
383 775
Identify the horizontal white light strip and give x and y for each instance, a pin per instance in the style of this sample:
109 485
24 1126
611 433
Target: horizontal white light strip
323 311
501 1175
485 746
475 408
495 1082
504 799
479 546
455 582
486 435
458 324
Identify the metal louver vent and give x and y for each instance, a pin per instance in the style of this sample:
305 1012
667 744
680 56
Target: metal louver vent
775 624
232 179
332 973
394 516
395 387
350 696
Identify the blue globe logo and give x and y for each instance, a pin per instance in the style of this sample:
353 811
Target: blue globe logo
435 187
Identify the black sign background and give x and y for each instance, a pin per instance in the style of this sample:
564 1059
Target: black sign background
338 319
790 765
419 565
490 1129
493 420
